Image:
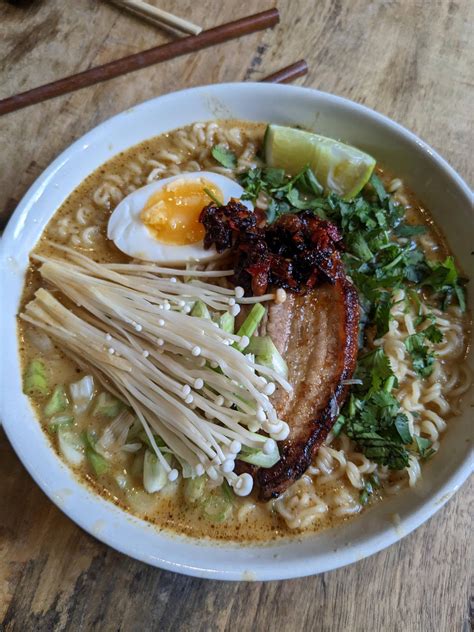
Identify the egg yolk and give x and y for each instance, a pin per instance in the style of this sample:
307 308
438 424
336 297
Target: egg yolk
172 213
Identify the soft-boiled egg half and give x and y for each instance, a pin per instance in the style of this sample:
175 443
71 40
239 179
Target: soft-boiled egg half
160 221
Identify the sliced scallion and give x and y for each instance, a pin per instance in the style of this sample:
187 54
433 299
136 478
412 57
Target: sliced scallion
195 488
217 507
107 406
200 310
58 421
154 474
82 393
97 462
57 403
267 354
227 322
70 445
35 381
250 324
258 457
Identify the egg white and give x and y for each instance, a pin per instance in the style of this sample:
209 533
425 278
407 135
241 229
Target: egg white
131 236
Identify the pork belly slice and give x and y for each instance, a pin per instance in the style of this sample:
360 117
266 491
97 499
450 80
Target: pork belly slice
317 334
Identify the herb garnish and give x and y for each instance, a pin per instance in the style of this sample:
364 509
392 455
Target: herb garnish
424 447
422 356
224 156
373 418
287 195
443 278
370 485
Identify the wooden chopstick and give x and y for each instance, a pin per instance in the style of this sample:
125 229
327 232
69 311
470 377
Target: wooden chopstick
183 46
139 7
288 73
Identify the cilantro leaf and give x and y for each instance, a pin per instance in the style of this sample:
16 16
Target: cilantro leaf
424 447
372 416
402 427
379 188
421 357
287 195
224 156
370 485
444 280
383 306
433 333
409 230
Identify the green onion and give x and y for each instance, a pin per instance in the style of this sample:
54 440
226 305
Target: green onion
250 324
424 447
154 474
97 462
35 381
194 488
227 322
70 445
267 354
107 406
58 402
60 421
89 438
200 310
217 507
258 457
82 393
252 321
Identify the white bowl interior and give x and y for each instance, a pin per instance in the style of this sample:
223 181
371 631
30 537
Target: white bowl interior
435 183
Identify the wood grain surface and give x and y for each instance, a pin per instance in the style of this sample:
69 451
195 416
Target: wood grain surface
408 59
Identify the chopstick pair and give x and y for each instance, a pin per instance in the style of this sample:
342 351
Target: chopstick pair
183 46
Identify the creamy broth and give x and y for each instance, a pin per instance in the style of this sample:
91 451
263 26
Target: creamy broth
81 223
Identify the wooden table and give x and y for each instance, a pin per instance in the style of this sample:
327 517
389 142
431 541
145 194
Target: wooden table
408 59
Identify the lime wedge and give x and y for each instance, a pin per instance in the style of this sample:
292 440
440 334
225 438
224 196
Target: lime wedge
338 167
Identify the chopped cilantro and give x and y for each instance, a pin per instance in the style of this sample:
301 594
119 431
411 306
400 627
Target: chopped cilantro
444 280
424 447
224 156
379 188
409 230
422 356
287 195
369 487
372 416
383 305
433 334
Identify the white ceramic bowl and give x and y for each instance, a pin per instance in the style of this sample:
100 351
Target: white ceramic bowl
435 182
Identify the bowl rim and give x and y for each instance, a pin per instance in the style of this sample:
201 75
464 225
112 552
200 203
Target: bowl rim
298 567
